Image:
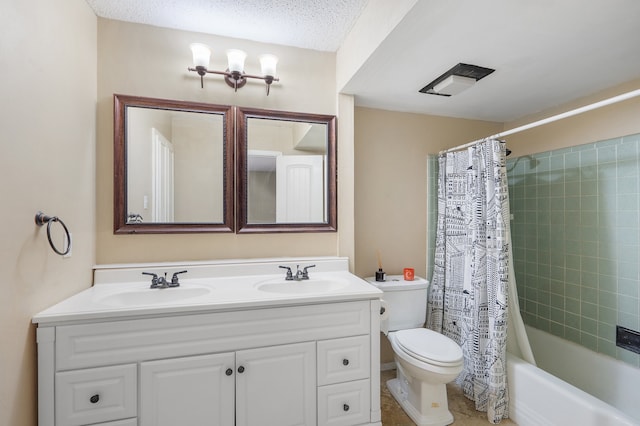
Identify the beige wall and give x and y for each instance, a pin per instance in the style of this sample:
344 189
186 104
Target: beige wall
149 61
608 122
391 150
47 117
198 144
346 173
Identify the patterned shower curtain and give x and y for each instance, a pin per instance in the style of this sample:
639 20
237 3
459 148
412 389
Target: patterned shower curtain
468 294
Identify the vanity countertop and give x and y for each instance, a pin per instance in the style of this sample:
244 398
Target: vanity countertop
121 291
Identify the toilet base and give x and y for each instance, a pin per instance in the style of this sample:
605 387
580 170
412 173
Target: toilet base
437 414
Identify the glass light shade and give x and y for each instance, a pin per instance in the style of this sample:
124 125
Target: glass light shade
236 60
268 64
201 54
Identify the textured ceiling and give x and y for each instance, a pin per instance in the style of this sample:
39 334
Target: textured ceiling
310 24
545 52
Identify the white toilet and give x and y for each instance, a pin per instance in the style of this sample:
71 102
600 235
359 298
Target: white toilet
426 360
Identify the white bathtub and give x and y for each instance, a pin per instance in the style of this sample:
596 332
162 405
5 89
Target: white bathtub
539 398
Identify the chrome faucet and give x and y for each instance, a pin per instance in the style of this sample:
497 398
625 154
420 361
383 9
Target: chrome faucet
300 275
162 282
305 273
289 276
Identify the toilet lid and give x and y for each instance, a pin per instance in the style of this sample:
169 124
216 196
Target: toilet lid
429 346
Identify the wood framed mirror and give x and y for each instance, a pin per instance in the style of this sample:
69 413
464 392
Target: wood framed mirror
286 171
173 166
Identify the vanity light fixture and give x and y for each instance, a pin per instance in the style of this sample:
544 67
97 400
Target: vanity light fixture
234 75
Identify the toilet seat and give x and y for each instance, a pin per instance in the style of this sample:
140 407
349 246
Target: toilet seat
429 346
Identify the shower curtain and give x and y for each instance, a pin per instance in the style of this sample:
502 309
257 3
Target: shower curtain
468 297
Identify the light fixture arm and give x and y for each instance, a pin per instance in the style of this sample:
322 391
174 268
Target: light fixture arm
234 79
268 80
201 72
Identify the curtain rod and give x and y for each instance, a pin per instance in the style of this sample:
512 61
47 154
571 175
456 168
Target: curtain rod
551 119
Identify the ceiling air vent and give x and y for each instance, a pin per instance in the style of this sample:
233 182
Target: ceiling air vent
457 79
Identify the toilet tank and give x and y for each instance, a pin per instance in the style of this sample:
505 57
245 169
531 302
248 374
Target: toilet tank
406 301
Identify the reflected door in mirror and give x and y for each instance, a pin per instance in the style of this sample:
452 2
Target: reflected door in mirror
286 171
300 189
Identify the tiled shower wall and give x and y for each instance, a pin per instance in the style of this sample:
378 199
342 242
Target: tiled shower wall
432 211
576 241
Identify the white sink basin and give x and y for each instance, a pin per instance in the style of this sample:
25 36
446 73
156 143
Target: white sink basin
120 291
302 287
149 296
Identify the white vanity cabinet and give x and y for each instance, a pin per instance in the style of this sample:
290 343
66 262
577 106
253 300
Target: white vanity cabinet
308 364
273 385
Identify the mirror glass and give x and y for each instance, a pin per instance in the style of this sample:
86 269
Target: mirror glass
173 166
286 171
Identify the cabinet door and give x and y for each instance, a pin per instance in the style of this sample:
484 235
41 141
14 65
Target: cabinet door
189 391
276 386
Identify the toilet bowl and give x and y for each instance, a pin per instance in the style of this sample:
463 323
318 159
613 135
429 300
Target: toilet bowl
420 385
426 360
427 354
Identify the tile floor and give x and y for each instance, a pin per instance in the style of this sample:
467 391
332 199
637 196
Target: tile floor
463 409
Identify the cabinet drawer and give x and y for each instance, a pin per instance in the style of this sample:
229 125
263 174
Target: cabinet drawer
344 404
342 360
96 395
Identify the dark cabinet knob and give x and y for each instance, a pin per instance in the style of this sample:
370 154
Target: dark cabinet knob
95 398
241 369
229 372
345 407
345 362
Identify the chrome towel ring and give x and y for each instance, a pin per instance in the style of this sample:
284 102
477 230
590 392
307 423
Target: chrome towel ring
41 219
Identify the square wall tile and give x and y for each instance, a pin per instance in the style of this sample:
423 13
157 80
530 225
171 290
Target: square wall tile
577 260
